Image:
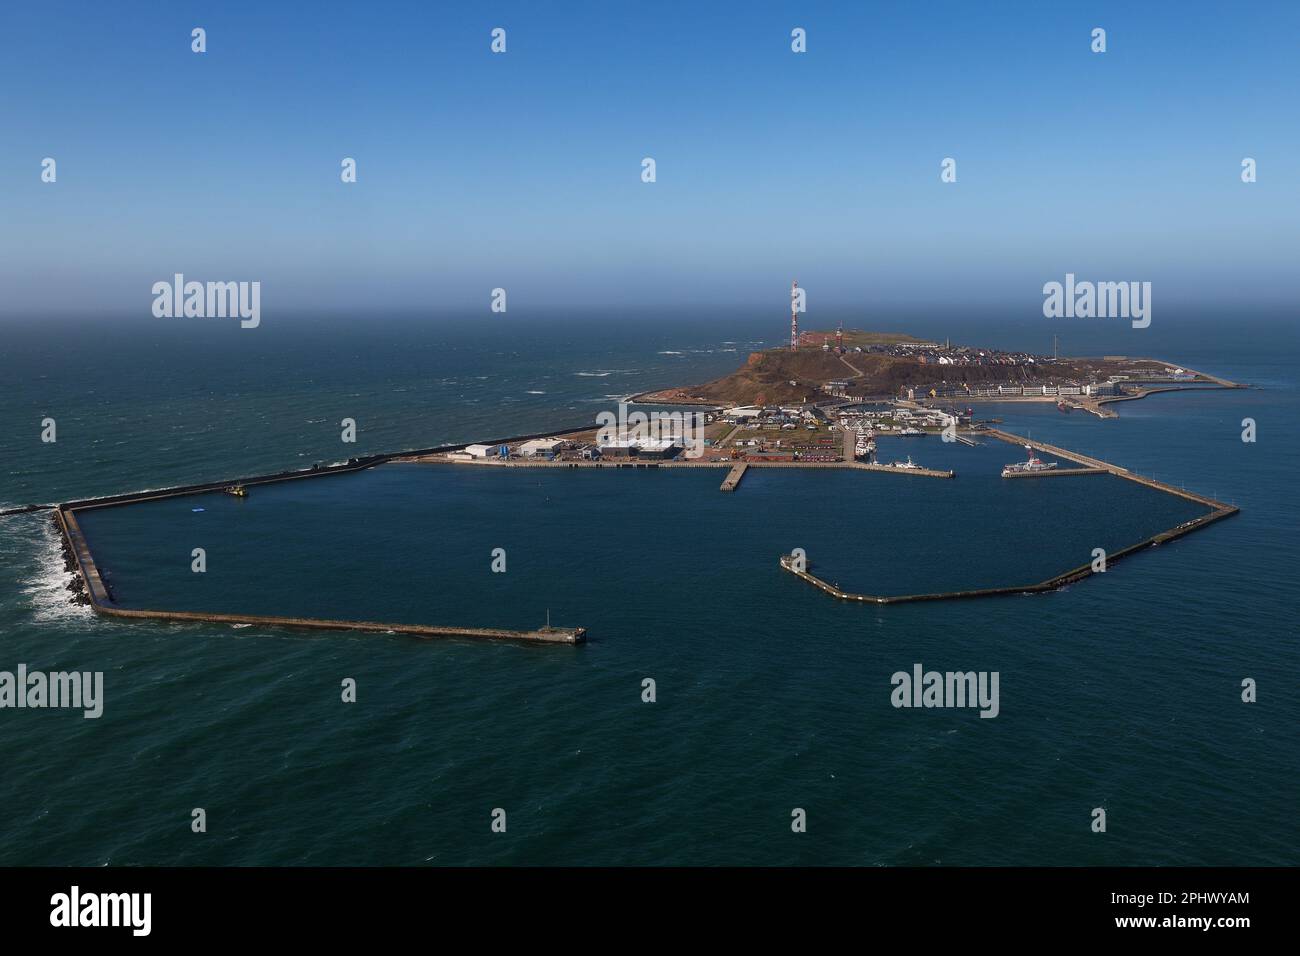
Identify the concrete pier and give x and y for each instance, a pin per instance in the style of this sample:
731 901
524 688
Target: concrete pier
1056 473
1088 462
916 472
733 477
543 635
85 560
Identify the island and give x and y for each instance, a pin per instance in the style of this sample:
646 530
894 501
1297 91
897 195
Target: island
829 403
879 366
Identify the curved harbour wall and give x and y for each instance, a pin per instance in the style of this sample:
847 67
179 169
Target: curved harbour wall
1090 466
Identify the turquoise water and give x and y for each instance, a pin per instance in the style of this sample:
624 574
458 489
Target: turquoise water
1120 692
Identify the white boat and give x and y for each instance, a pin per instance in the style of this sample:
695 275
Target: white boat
865 445
904 464
1031 467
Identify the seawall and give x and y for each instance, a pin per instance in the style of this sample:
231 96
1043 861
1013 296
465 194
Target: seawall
1091 466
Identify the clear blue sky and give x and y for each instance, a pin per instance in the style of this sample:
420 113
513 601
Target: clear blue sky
523 170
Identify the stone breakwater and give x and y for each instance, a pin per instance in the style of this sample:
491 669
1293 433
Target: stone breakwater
78 584
90 587
1089 466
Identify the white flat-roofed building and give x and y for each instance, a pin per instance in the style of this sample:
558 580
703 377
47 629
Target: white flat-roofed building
640 448
539 446
479 451
657 448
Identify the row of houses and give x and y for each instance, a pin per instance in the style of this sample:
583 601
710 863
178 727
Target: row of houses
770 416
1096 388
933 353
901 419
1009 391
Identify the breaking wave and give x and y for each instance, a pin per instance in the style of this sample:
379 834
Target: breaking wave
46 590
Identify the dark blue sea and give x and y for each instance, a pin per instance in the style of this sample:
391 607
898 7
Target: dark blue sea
1121 692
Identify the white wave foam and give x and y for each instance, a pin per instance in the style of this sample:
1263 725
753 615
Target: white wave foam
47 589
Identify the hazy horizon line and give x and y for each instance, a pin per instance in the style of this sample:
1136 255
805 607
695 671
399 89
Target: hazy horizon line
668 312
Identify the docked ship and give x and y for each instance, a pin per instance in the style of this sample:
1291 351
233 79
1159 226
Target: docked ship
904 464
910 431
865 445
1031 467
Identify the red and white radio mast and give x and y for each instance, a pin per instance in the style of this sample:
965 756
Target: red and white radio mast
794 316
